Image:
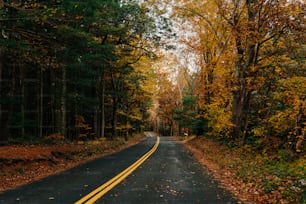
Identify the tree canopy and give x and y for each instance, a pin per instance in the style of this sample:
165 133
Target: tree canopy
89 69
69 67
248 70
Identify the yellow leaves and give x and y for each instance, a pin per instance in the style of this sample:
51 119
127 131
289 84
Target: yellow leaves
300 166
55 137
291 90
43 20
282 121
259 131
52 11
219 118
33 5
81 123
97 39
78 17
279 71
44 51
134 115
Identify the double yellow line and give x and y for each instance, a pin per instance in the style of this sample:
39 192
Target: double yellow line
103 189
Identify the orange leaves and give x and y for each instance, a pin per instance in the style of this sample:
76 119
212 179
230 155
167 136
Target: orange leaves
78 17
84 128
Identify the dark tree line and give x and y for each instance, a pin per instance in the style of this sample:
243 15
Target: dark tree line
67 68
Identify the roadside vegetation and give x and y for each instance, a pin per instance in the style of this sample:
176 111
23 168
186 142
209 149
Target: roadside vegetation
21 164
252 177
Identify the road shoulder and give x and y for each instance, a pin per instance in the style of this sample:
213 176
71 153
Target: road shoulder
22 164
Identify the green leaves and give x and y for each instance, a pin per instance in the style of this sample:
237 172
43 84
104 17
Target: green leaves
82 55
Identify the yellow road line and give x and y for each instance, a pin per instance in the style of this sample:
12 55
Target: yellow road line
103 189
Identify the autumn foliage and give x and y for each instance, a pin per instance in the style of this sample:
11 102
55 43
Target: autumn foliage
245 62
249 72
72 68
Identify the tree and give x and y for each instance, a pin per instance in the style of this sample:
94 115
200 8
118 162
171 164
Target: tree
210 41
168 99
79 53
244 49
255 25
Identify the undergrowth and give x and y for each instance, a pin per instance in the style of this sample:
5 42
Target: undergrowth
281 172
273 173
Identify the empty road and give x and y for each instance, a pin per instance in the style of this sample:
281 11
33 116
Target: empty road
164 173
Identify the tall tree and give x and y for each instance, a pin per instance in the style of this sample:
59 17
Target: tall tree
243 40
71 48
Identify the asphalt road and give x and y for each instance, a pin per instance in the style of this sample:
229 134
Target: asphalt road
169 175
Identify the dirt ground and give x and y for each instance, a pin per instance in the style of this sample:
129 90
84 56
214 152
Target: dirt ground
21 164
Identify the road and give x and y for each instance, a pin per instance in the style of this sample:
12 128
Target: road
169 175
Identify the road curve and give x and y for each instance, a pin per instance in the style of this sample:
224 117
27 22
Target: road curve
169 175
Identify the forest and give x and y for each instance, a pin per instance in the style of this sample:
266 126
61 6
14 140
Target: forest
229 74
89 69
247 85
74 69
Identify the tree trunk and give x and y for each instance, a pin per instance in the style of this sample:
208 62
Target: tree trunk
52 99
22 104
241 94
171 127
4 114
103 107
237 112
63 102
300 127
126 135
114 118
96 122
115 106
40 102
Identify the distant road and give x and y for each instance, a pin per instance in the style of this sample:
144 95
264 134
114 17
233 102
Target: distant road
168 175
150 134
